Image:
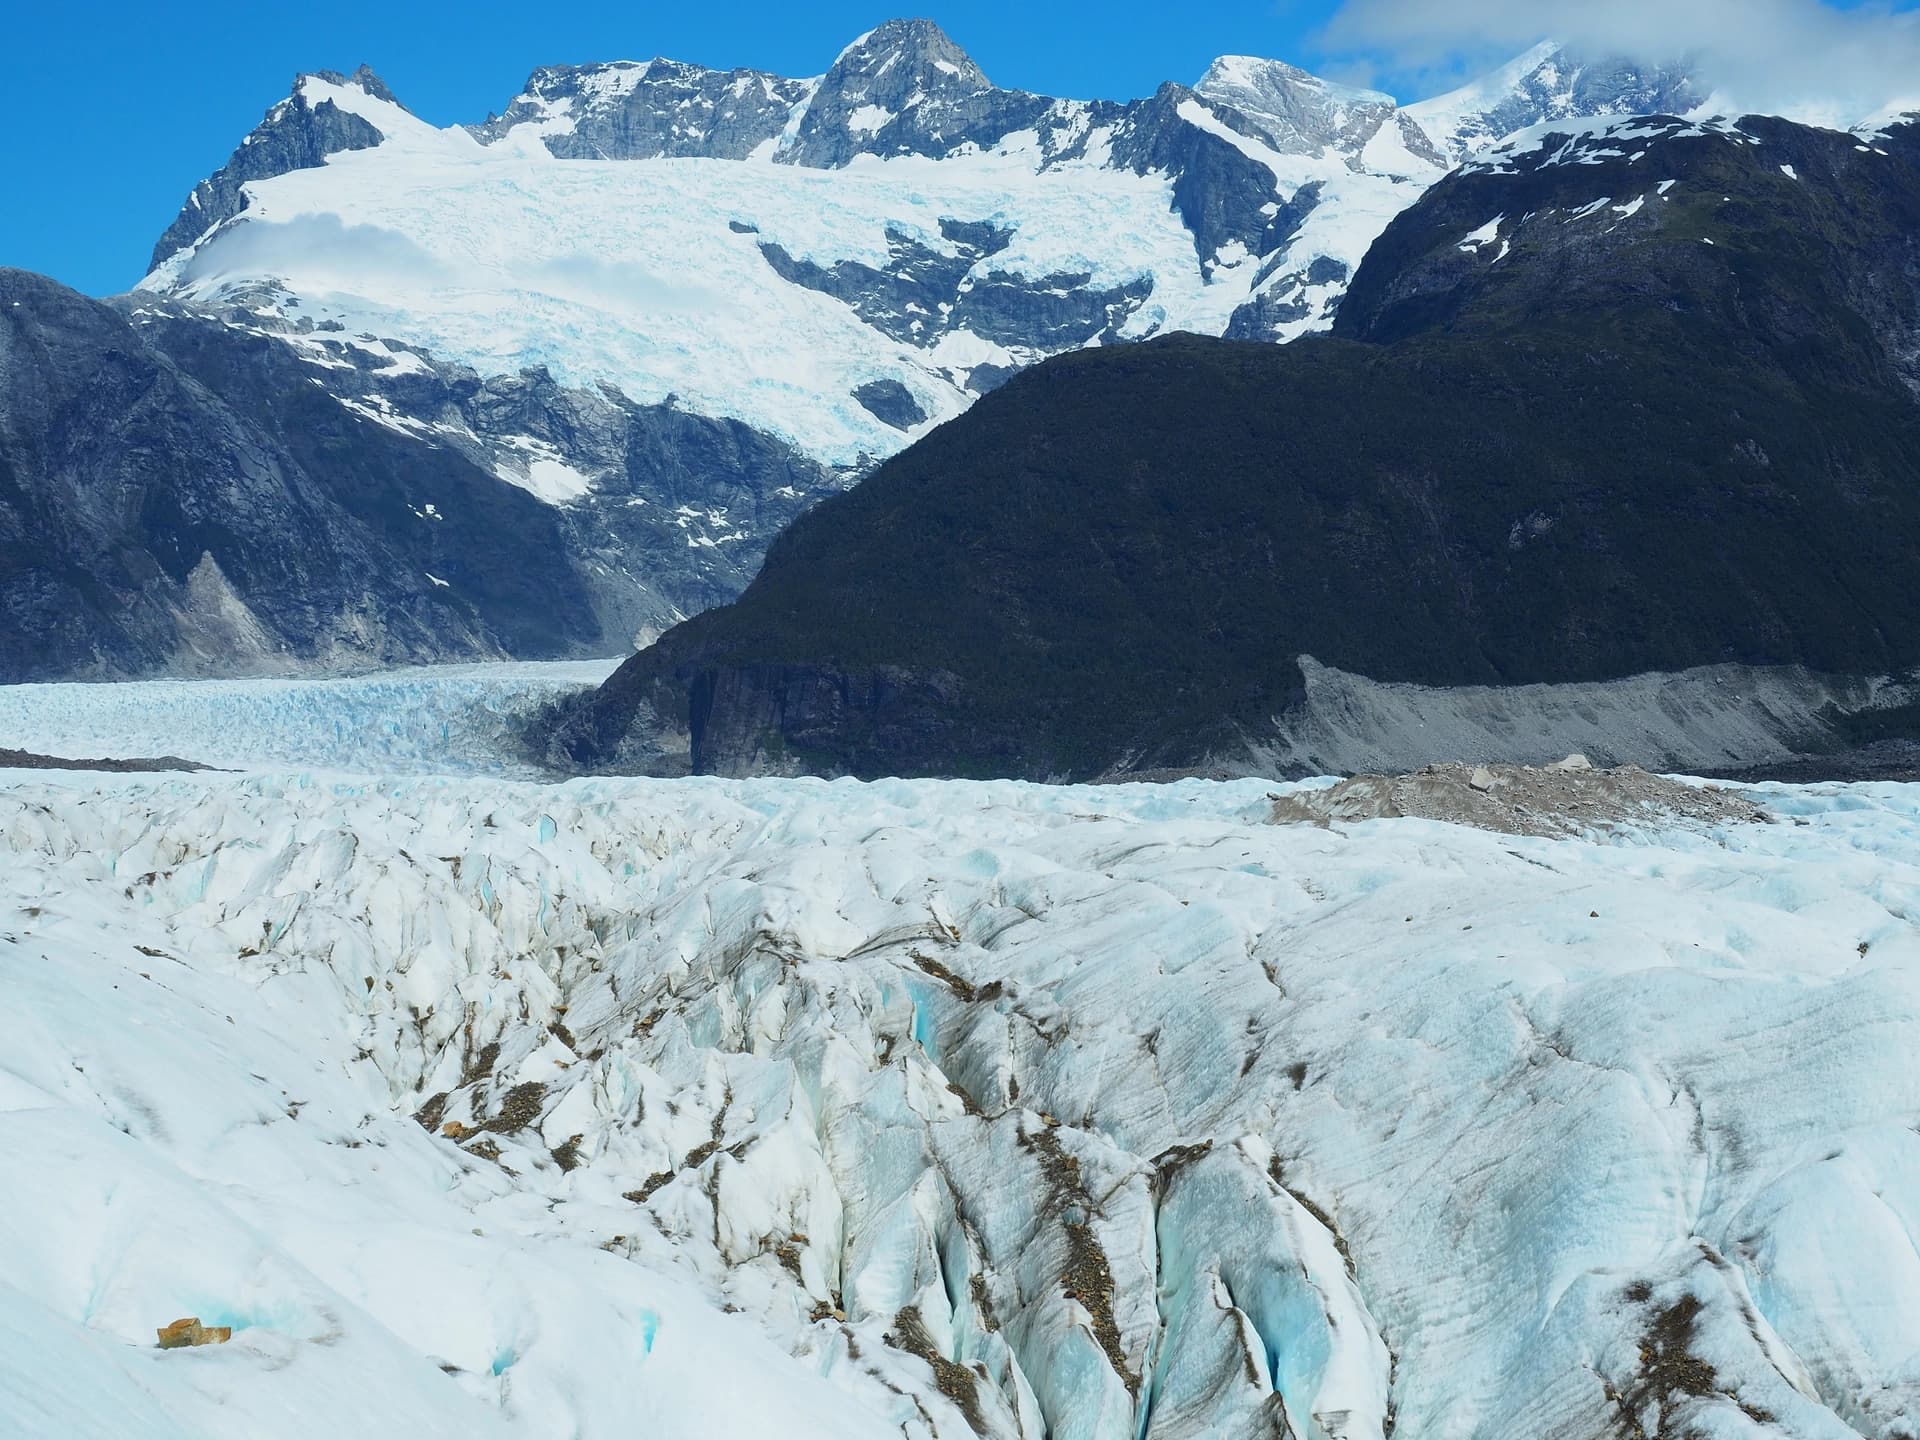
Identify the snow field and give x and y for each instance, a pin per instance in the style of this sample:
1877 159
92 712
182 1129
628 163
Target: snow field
1094 1112
502 257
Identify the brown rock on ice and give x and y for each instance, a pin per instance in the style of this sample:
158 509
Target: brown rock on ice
188 1332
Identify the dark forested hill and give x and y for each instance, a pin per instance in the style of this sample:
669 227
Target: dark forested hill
1638 399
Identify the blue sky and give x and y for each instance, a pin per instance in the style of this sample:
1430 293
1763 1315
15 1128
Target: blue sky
114 109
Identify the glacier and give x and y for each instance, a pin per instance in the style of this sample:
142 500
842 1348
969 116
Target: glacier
426 720
479 1106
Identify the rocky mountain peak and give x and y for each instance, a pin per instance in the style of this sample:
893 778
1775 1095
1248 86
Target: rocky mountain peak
632 110
362 78
1296 112
296 134
905 89
902 57
1549 82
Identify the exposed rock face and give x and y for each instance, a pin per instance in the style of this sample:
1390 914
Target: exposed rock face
298 134
892 402
1224 195
149 524
910 298
923 293
667 513
645 112
182 494
1633 401
905 89
1548 84
1295 112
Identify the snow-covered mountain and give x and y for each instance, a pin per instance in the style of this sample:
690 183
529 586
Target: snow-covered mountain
842 261
653 313
1542 85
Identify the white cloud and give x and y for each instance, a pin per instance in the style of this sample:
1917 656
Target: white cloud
1802 58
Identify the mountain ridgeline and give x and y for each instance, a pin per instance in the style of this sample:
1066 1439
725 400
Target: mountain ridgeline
544 385
1633 398
968 229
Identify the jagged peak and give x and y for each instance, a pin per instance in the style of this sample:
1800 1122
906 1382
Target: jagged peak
1547 52
324 112
1485 90
1552 83
1291 109
922 45
1252 73
1548 63
614 78
363 79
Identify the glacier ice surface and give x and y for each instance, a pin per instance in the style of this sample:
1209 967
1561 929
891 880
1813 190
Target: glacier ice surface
790 1107
440 719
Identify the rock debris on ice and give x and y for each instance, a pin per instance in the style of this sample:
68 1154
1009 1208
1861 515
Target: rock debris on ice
1568 798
